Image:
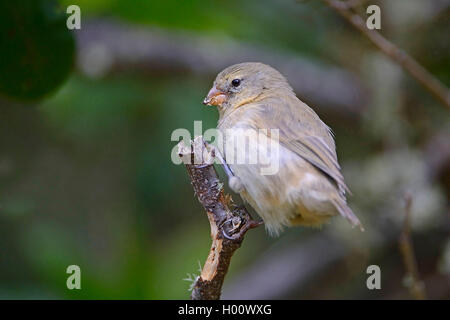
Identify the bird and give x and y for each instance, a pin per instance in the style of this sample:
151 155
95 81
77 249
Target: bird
308 187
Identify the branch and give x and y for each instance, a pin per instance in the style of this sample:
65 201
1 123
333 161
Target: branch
228 226
416 286
425 78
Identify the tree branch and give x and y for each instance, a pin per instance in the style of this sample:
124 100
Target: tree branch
425 78
228 223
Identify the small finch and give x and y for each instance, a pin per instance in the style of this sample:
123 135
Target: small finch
307 188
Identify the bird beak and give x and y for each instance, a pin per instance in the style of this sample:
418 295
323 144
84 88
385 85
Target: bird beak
215 97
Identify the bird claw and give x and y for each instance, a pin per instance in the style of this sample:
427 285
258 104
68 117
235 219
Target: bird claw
251 224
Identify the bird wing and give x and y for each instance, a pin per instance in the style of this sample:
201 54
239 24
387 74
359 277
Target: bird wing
314 150
302 132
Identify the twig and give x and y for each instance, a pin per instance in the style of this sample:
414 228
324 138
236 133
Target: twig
415 285
428 81
228 226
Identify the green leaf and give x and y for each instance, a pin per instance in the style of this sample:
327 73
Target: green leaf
36 48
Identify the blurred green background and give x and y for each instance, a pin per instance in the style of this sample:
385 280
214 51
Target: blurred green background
86 117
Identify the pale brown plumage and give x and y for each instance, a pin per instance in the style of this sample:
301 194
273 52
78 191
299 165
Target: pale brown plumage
308 188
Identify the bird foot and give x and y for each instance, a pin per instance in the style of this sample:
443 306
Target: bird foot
250 224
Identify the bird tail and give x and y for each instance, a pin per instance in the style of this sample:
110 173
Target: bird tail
347 213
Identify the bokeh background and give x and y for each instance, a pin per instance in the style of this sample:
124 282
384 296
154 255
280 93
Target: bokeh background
86 117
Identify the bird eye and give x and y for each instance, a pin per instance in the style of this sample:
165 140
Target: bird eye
236 82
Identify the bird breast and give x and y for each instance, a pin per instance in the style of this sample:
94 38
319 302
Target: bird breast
276 181
266 169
